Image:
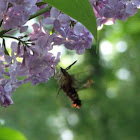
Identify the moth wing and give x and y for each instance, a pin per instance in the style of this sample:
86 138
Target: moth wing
82 81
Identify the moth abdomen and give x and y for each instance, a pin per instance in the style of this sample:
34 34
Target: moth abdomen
72 93
76 103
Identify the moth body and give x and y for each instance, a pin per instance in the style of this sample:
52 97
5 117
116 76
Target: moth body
67 84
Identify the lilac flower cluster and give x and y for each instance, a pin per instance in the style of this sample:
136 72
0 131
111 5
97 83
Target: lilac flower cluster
114 9
30 58
74 37
37 65
15 13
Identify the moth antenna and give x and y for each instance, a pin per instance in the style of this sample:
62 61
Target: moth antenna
71 65
53 70
58 92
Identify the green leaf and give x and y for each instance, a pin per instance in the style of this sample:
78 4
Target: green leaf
10 134
81 10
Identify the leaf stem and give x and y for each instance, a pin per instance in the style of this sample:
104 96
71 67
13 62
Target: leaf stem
4 45
23 42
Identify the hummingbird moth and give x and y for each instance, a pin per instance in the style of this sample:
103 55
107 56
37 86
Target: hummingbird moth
67 84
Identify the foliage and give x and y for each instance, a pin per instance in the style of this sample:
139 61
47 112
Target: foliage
8 134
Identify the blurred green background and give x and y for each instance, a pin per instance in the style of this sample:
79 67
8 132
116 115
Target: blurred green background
110 107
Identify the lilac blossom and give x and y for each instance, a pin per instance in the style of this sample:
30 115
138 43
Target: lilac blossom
114 9
74 38
5 99
41 64
18 14
7 86
37 65
3 8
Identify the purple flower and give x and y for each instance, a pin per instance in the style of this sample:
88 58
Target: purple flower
56 15
41 67
17 14
37 32
114 9
78 38
5 100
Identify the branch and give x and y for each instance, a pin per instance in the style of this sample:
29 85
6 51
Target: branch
40 12
23 42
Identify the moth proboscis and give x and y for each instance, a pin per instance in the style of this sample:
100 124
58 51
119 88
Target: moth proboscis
67 84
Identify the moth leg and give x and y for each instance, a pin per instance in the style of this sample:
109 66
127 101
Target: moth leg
58 92
53 70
